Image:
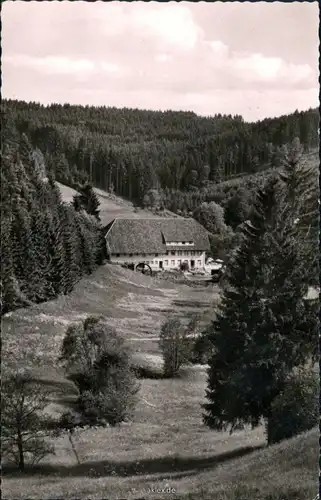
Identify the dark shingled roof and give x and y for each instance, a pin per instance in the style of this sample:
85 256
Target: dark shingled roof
150 235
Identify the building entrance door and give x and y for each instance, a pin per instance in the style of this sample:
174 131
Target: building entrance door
192 264
160 264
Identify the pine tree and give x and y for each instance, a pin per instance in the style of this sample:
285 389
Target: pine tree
93 203
71 267
39 243
87 248
25 153
10 187
25 262
11 295
54 199
263 329
62 170
100 245
300 208
87 200
9 135
76 202
39 165
55 273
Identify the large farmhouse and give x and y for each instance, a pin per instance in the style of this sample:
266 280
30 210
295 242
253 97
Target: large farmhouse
162 243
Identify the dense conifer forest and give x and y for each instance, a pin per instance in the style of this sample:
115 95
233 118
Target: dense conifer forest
206 167
131 152
46 245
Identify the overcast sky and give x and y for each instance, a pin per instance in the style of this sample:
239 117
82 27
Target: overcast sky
254 59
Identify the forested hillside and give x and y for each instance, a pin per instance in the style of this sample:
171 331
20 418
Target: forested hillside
46 245
205 167
131 152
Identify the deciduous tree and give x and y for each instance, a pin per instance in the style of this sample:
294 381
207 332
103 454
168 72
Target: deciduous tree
24 423
98 361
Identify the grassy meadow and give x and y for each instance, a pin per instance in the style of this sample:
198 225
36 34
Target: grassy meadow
165 446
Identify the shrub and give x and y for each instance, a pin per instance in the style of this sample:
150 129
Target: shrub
201 349
175 346
296 408
98 361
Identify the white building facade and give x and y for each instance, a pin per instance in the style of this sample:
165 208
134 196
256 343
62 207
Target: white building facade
170 260
157 242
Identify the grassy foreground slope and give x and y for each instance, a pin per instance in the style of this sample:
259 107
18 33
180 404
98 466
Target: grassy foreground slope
166 444
286 471
130 461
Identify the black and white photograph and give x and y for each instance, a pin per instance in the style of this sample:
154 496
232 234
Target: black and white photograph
160 252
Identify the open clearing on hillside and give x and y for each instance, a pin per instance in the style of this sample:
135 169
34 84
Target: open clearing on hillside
166 443
112 206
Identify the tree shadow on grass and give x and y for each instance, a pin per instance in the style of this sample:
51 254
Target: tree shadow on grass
163 465
60 386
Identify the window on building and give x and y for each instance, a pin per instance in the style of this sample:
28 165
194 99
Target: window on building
167 253
146 261
117 254
179 262
183 242
130 255
173 252
166 262
199 262
156 254
173 262
180 252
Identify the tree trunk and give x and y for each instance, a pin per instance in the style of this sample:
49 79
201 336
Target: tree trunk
74 448
21 464
268 430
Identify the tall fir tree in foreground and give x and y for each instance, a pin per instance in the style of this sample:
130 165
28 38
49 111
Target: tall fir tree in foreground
265 327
